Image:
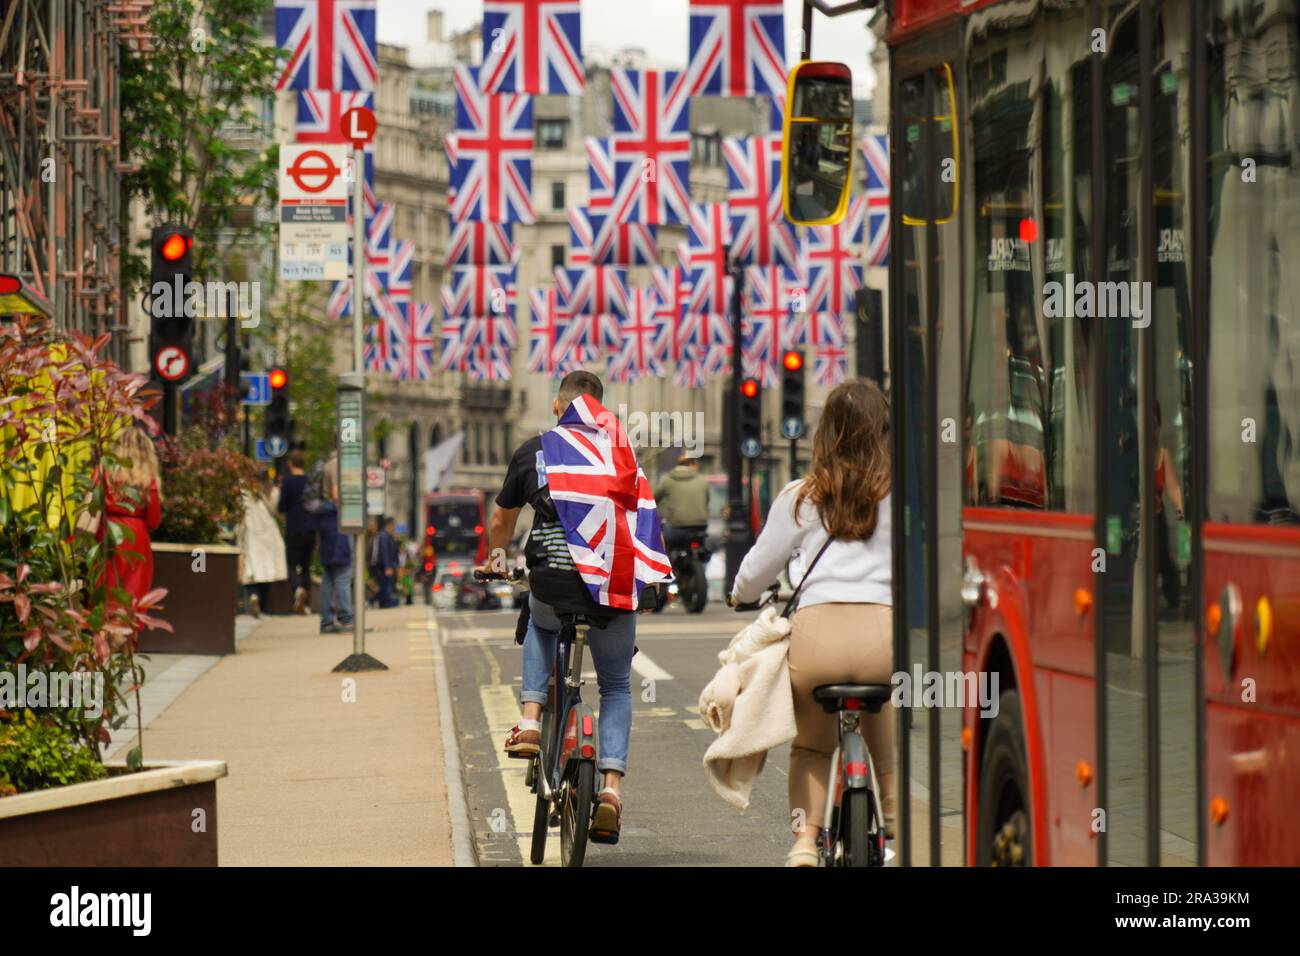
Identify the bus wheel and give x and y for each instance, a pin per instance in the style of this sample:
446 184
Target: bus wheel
1005 837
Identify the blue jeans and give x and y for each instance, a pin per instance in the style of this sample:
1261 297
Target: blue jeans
336 595
611 652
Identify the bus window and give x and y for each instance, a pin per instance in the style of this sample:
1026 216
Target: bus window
1008 385
1254 248
941 115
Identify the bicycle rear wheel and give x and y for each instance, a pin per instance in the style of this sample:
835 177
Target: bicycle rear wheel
854 828
575 814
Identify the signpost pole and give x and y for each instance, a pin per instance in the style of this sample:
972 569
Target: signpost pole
352 432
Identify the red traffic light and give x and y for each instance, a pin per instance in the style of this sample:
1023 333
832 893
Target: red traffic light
793 361
749 387
279 378
174 246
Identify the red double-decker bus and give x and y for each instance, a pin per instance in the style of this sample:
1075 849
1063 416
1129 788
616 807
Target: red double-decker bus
1095 356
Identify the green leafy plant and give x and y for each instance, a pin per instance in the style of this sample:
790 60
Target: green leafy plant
39 754
203 487
207 78
62 408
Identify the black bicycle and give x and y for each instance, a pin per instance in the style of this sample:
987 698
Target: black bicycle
852 828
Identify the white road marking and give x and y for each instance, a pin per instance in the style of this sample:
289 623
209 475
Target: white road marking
648 668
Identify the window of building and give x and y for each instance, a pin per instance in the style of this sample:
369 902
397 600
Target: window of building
557 257
552 133
557 195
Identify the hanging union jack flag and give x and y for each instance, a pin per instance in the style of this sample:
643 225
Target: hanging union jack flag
875 149
320 120
600 239
331 44
605 503
707 238
472 243
549 328
651 146
486 363
737 48
823 332
494 146
675 328
597 297
451 335
532 46
600 173
636 358
452 153
772 326
382 344
760 233
400 268
476 291
416 360
834 267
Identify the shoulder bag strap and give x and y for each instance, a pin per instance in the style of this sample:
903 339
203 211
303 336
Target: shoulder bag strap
794 598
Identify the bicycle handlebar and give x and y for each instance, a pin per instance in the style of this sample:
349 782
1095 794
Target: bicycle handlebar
769 597
516 574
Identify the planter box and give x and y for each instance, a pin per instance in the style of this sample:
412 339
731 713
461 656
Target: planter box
129 819
200 606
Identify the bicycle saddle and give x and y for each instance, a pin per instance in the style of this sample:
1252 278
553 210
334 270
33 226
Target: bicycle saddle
869 697
567 595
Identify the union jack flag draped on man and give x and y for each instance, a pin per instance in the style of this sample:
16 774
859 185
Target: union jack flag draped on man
532 46
331 44
651 146
605 504
737 48
494 149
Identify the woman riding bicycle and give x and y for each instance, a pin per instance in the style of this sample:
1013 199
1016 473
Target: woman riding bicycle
842 631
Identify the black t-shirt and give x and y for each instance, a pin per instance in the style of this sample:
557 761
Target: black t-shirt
525 483
522 476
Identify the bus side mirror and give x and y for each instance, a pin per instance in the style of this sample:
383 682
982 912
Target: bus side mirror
817 143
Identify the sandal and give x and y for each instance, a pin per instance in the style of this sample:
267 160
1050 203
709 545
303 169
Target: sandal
608 818
803 856
523 743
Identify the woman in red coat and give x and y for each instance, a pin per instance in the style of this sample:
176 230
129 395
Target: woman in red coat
133 501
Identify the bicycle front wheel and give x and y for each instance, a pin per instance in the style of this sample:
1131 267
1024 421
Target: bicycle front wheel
541 820
575 815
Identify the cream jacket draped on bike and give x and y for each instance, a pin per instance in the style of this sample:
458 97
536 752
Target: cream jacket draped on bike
749 705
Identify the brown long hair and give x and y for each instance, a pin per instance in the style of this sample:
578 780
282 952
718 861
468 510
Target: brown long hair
849 476
136 462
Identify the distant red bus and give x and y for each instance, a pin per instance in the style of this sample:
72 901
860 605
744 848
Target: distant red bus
455 532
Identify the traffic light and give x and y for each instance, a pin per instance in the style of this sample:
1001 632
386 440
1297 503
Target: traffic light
749 429
277 414
171 331
792 395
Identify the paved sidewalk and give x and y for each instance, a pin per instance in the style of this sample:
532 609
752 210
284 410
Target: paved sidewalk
315 778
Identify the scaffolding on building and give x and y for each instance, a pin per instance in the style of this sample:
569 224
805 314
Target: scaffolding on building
62 214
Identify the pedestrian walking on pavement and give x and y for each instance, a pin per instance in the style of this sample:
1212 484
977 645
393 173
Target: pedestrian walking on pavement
842 630
300 531
335 558
133 502
386 559
261 546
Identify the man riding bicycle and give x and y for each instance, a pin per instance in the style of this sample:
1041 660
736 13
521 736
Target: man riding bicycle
613 569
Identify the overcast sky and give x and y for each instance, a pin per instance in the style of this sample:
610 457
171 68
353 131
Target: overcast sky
659 27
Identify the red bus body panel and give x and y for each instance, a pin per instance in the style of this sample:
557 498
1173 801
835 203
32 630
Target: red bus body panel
1252 748
1033 562
915 16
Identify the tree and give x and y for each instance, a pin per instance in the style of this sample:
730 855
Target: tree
208 76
